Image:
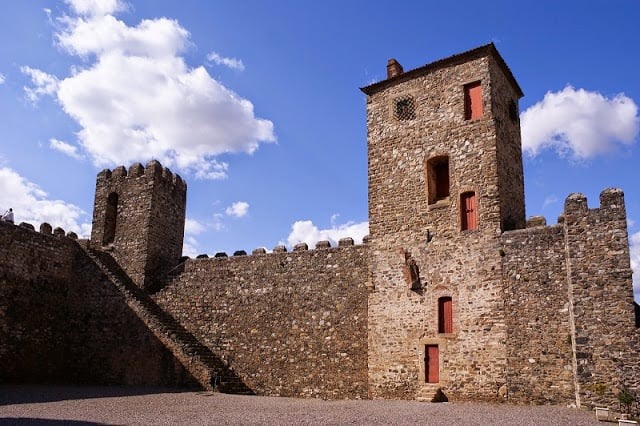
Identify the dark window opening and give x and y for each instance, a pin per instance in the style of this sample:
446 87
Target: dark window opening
637 309
111 215
513 111
438 179
445 315
431 364
405 109
508 224
468 211
472 101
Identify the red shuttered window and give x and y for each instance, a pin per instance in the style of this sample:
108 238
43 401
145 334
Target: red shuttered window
445 315
468 211
472 101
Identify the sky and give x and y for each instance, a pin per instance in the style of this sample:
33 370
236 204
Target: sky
257 105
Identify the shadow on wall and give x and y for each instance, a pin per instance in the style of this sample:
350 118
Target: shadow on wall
637 308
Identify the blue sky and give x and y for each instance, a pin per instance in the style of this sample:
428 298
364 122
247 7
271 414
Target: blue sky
256 104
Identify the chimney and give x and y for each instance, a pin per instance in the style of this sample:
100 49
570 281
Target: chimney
393 68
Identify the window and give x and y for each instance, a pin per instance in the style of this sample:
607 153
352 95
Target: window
445 315
110 216
472 101
513 111
438 179
404 108
468 211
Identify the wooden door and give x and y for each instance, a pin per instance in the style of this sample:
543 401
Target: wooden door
432 364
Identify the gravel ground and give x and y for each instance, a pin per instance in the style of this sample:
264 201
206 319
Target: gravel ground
55 405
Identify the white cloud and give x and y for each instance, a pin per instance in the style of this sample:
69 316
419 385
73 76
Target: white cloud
96 7
193 227
135 98
232 63
43 84
65 148
634 247
304 231
190 247
551 199
30 204
217 223
2 78
579 123
238 209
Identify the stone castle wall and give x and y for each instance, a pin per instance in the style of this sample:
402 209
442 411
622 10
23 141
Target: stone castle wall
540 365
61 320
569 305
599 276
289 324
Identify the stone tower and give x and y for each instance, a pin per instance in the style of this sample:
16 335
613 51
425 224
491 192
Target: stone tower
139 217
445 180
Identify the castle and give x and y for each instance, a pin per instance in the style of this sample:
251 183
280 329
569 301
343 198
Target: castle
452 291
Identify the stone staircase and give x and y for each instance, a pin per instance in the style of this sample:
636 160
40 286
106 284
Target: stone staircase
426 393
204 365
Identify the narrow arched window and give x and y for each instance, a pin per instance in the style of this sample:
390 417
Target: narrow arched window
438 178
110 217
445 315
468 211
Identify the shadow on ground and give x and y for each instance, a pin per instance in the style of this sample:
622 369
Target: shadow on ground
26 394
42 422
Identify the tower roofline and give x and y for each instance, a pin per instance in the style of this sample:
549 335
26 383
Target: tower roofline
478 52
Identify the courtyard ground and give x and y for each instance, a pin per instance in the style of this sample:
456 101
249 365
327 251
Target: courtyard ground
79 406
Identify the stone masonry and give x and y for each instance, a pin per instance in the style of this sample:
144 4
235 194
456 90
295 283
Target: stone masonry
454 294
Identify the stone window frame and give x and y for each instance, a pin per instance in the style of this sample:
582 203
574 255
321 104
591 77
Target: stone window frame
472 82
431 181
444 290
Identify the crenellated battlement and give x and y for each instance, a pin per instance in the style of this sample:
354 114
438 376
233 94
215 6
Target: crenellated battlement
611 204
612 207
343 243
44 229
152 171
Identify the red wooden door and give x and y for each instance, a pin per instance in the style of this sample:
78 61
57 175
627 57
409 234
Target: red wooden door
469 214
432 364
